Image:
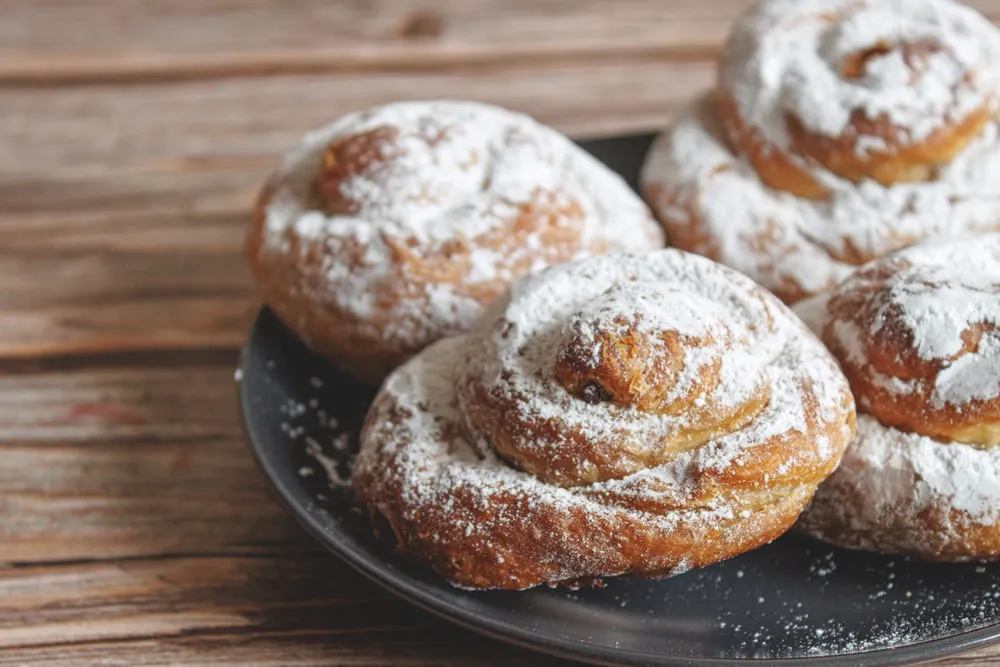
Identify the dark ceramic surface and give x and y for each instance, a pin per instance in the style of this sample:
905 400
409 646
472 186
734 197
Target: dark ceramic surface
794 602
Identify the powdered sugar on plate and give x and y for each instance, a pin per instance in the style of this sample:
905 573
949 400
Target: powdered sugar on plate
883 602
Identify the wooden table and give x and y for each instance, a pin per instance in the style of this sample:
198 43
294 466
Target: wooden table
134 527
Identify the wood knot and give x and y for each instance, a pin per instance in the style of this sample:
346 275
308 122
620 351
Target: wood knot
420 25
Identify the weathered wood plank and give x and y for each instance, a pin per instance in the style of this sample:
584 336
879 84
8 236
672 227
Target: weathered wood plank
127 405
178 232
206 146
423 645
169 597
137 499
131 325
419 648
131 239
132 40
269 609
130 462
90 279
445 648
73 287
57 41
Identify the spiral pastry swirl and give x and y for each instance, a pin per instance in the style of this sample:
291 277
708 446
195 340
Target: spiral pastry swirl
393 227
918 336
637 414
840 131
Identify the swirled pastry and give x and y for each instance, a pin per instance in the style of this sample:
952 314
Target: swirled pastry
393 227
918 336
840 131
624 413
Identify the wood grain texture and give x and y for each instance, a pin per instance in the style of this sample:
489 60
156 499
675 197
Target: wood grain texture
91 282
96 283
129 237
114 148
134 526
135 39
130 463
141 39
289 610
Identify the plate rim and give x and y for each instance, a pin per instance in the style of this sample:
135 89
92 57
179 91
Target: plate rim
396 581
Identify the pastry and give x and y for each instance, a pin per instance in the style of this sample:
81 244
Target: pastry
918 336
840 131
621 414
393 227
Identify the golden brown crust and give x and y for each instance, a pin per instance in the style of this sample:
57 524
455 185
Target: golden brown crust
910 162
290 280
918 337
836 135
934 532
902 158
903 493
394 227
899 162
775 167
521 540
901 155
893 378
621 363
563 439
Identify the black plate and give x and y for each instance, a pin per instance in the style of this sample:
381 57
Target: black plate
794 602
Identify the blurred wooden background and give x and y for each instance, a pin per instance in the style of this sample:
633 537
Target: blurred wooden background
134 527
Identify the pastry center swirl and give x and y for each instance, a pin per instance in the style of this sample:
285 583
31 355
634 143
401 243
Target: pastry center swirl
645 349
626 375
884 91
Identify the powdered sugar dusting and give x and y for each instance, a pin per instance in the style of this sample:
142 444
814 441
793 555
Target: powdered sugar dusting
448 172
662 309
887 602
881 75
420 444
897 490
789 56
889 479
757 342
851 338
788 243
973 377
438 464
945 289
328 464
940 292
